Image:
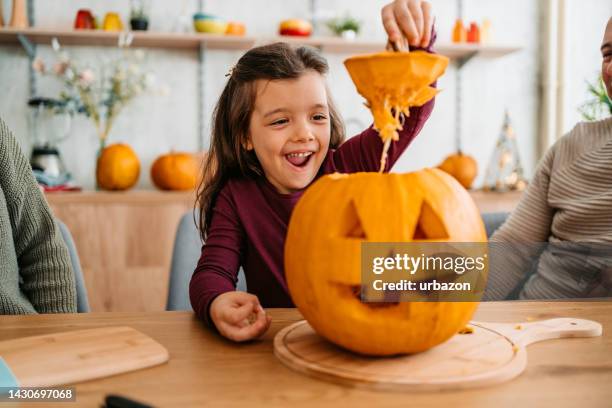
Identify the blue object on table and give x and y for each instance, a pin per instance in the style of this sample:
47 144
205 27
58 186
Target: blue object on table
7 378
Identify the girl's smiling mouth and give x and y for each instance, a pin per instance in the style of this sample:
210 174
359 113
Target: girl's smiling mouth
300 158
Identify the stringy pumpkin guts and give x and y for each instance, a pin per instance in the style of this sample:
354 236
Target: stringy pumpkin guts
392 83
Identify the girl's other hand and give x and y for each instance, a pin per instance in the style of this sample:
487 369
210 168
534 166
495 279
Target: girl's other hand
238 316
410 19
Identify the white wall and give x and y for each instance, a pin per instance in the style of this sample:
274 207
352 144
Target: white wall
154 124
585 25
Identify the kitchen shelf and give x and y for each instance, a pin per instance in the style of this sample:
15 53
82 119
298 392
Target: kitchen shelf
151 39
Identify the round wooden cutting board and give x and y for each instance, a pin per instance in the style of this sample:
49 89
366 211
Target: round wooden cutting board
492 353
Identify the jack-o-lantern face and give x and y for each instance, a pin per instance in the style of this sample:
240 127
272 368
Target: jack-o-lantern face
323 256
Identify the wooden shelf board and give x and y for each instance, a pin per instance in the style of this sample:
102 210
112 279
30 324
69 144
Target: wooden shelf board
121 197
485 200
152 39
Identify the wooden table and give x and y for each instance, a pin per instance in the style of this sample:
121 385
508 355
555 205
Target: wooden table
206 370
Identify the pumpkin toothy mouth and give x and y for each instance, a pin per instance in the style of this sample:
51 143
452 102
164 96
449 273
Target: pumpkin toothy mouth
355 292
299 159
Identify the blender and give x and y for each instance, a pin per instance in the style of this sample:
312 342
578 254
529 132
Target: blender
49 124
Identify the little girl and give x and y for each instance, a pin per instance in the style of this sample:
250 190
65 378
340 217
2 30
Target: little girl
275 131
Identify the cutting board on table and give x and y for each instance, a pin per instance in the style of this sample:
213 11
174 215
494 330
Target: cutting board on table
491 354
75 356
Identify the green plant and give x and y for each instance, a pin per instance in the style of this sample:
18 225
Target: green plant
138 10
346 23
99 94
600 106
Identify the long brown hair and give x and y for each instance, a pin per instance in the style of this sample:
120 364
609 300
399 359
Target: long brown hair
227 157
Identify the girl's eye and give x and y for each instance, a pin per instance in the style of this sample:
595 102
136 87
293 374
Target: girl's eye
319 117
279 122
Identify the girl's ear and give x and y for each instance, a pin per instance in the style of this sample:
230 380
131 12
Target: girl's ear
247 145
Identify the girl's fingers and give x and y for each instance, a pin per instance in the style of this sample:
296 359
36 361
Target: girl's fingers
406 23
427 23
249 331
237 315
391 27
416 11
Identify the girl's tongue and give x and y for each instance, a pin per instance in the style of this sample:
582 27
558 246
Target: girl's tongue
298 160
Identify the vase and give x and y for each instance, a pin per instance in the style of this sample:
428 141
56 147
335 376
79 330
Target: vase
139 24
19 16
349 35
101 147
112 22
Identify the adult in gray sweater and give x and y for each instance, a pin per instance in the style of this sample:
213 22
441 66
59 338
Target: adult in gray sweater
569 201
35 270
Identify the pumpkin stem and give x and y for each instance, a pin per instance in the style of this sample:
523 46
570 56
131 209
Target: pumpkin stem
383 157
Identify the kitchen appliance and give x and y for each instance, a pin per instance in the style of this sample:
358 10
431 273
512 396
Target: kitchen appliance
50 123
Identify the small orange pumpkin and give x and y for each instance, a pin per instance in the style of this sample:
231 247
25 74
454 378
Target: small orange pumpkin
118 167
323 256
462 167
175 171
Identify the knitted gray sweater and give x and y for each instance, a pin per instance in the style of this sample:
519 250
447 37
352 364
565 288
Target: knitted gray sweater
35 270
569 200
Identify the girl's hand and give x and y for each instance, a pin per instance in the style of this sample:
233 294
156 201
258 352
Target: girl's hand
238 316
410 19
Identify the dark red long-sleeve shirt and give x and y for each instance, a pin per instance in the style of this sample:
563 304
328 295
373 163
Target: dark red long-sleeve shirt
250 220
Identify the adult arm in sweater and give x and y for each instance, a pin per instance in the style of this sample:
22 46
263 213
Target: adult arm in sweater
43 259
518 242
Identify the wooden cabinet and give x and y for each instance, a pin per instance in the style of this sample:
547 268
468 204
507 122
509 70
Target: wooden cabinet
125 241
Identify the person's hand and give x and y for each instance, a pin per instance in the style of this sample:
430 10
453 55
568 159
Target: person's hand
238 316
408 19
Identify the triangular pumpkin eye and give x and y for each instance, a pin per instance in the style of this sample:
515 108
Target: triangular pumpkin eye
353 227
430 226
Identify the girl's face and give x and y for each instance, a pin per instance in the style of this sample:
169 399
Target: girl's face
290 130
606 52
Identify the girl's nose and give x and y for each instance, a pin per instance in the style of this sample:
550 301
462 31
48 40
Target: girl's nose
303 134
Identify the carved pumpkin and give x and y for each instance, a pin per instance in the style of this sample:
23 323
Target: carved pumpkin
175 171
393 82
462 167
117 168
323 255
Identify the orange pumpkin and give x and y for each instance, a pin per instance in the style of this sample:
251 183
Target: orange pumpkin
323 256
117 168
462 167
175 171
